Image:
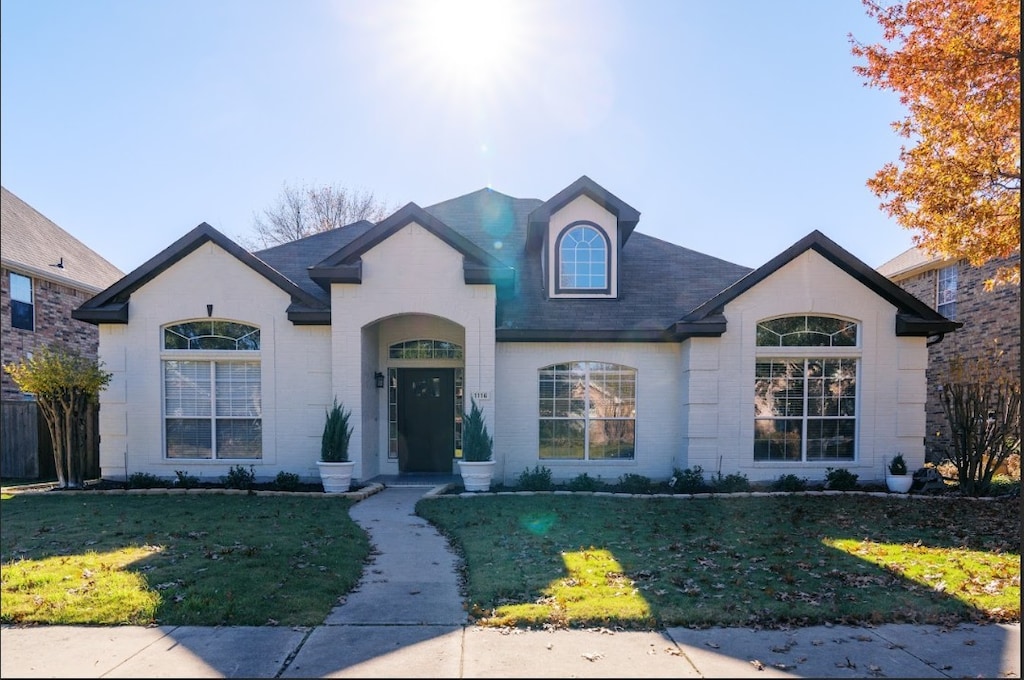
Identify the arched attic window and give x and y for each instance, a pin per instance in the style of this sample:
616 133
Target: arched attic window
583 259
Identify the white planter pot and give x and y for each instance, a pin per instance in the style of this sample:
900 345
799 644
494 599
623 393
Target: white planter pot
899 483
476 476
336 477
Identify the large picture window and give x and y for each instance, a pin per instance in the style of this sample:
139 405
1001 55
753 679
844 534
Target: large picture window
805 403
583 260
23 314
213 402
587 411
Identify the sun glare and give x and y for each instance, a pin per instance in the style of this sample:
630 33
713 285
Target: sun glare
468 43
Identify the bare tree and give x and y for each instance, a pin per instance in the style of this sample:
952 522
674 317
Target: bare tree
308 210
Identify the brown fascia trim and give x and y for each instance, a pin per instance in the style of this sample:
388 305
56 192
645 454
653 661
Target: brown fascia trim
112 313
472 273
915 326
111 305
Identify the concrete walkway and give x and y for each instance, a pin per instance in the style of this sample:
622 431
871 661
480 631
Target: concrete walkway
406 619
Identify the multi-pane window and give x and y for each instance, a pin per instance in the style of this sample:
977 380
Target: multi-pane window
587 411
805 404
22 308
213 403
425 349
945 296
583 259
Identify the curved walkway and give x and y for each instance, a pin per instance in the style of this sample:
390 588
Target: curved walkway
406 619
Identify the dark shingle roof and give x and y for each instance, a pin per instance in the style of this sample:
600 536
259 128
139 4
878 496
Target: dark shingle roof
34 244
665 292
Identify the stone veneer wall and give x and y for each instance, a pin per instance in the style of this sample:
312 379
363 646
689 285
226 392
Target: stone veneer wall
991 332
53 325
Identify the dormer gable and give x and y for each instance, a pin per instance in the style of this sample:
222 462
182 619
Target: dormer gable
345 265
579 234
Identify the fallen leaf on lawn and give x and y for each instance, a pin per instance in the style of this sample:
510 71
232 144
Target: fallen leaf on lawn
712 645
757 664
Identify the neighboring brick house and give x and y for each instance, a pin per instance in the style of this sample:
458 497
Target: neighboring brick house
991 324
589 347
45 274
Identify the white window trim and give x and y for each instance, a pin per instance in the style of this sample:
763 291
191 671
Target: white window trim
214 357
854 353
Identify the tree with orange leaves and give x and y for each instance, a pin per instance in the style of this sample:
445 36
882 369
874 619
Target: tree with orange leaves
956 67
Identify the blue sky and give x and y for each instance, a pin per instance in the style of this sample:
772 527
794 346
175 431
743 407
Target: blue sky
735 128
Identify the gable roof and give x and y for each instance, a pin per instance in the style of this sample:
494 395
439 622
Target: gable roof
33 244
627 215
666 292
913 317
345 265
111 305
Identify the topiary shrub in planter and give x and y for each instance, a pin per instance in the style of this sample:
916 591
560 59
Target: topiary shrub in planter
476 465
335 467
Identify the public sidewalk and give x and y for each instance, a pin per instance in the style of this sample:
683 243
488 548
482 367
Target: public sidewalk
406 619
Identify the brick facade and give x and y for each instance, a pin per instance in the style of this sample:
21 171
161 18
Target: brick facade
991 332
53 303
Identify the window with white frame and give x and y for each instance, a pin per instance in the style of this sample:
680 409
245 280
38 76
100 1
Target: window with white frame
945 292
213 403
583 260
587 411
805 389
23 313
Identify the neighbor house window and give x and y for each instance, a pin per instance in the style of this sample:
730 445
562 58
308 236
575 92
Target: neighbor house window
583 260
22 309
213 403
945 298
587 411
805 389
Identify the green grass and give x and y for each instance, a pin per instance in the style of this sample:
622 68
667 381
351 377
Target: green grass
176 559
784 560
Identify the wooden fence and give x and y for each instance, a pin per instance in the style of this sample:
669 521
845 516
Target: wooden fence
26 451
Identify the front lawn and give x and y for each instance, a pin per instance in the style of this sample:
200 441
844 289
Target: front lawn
91 558
634 562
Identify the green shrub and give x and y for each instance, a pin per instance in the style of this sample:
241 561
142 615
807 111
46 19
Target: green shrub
477 444
898 466
286 481
336 435
735 482
240 478
789 483
690 480
185 480
584 482
840 479
634 483
538 479
145 480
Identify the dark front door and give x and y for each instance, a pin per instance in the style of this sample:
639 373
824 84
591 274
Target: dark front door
426 419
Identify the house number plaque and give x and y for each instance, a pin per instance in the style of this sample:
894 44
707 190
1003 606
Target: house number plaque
481 396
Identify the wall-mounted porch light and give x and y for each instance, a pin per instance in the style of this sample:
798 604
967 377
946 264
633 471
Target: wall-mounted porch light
378 378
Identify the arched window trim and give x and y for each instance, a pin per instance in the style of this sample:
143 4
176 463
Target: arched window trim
245 336
801 415
429 348
833 336
559 288
212 401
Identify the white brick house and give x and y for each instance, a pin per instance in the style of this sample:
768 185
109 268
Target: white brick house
589 346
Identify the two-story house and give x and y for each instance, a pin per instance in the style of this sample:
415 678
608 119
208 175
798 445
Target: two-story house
45 273
990 318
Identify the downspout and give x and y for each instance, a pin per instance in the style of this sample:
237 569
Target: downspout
934 339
